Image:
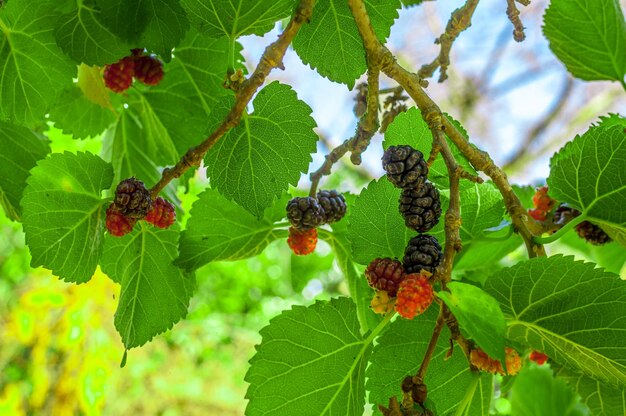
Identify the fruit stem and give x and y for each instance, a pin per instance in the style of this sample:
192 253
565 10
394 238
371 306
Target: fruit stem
552 238
421 373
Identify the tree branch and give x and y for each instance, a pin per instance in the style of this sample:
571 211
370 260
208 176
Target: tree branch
365 129
272 58
513 15
481 160
460 20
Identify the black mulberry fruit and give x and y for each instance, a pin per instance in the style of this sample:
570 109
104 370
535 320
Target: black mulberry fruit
592 233
305 213
564 214
385 274
420 207
333 204
405 166
132 198
422 253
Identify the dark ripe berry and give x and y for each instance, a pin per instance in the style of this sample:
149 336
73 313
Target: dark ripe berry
119 76
422 253
334 205
592 233
385 274
148 70
162 214
132 198
305 213
564 214
405 166
302 242
117 223
420 207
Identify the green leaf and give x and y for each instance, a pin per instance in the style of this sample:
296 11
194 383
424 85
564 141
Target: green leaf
525 195
192 86
196 74
234 18
588 173
409 3
484 254
360 291
311 362
155 294
612 120
137 144
410 128
75 114
537 393
157 25
479 316
601 399
609 256
376 228
481 396
33 69
482 207
82 36
589 37
20 149
219 229
331 43
63 214
567 309
399 352
257 160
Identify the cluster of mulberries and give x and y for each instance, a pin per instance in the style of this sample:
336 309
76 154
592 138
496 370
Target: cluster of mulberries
145 68
307 213
413 292
482 361
544 210
132 202
420 206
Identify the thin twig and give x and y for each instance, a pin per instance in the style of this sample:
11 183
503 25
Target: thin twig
535 133
434 119
432 345
272 58
513 15
368 124
460 20
481 160
330 159
365 130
